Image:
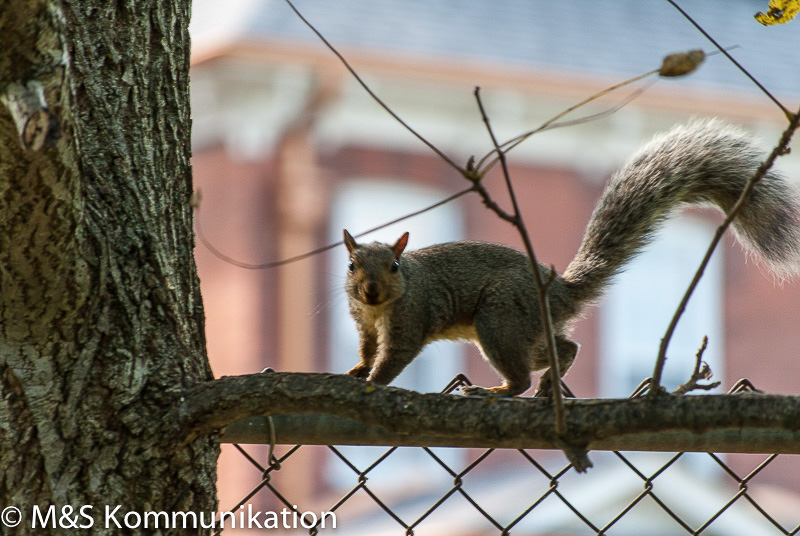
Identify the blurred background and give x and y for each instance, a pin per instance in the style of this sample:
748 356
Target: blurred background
289 150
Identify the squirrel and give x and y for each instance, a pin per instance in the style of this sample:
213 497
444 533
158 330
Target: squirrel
485 293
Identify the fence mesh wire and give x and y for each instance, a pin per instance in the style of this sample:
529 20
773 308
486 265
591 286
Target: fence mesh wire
639 493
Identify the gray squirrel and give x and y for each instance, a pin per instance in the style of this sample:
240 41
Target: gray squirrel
485 293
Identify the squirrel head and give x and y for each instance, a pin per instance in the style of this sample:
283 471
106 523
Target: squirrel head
374 271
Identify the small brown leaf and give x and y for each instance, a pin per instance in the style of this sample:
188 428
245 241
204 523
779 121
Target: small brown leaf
681 63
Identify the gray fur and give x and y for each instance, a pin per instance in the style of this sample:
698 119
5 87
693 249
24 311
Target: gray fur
703 163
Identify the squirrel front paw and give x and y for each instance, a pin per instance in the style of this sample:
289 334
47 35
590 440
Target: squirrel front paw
474 390
499 391
359 371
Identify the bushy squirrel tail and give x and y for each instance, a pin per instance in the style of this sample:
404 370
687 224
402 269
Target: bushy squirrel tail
703 162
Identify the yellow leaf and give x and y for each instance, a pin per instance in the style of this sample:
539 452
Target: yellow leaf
779 11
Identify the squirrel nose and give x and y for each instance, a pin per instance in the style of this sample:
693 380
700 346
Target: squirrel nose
371 293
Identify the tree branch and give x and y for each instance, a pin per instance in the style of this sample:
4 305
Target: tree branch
457 420
316 429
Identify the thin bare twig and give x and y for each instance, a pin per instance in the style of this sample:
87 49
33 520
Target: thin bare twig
731 58
541 286
600 115
701 372
673 65
551 123
267 265
372 93
780 149
491 204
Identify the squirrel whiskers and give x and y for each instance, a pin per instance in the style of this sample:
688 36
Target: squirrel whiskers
485 293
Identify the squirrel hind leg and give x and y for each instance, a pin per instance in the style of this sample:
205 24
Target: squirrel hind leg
505 347
515 372
566 351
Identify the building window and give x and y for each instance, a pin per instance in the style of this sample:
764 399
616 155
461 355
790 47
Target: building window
642 301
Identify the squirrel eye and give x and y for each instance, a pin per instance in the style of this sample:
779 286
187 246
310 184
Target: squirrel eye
351 266
395 267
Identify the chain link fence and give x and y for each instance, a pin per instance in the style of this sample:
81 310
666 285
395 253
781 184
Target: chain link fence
470 492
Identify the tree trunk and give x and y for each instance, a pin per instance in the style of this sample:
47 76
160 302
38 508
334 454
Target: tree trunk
101 320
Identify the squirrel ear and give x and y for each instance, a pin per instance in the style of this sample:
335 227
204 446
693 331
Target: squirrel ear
349 241
400 245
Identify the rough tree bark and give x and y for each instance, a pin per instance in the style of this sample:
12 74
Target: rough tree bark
101 321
